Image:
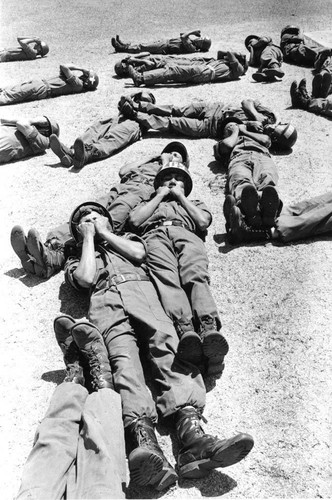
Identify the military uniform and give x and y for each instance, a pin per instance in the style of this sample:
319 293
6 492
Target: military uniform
218 70
35 90
14 145
125 307
295 50
250 163
157 62
79 449
199 119
167 46
23 53
265 54
305 219
321 106
178 264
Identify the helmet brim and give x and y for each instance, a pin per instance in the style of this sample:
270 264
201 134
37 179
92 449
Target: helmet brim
79 212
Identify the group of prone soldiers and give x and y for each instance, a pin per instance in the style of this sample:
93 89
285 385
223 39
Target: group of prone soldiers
140 253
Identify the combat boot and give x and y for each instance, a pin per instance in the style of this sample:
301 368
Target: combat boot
64 154
147 463
81 154
240 232
249 205
259 76
18 241
298 99
118 45
137 77
199 452
128 107
91 344
62 328
215 346
48 261
302 88
317 85
273 71
269 205
190 344
228 204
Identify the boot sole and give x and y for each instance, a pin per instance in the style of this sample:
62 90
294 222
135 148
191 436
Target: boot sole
79 154
259 77
18 242
232 452
249 202
269 204
60 331
166 478
190 349
33 244
65 159
271 73
145 467
215 346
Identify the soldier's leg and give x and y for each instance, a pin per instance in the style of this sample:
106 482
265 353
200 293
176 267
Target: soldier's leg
306 219
28 91
192 110
55 447
321 106
100 469
116 137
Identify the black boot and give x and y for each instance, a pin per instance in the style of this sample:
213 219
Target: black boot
200 452
91 345
215 346
18 241
227 207
240 232
48 261
190 344
62 328
299 100
302 88
147 463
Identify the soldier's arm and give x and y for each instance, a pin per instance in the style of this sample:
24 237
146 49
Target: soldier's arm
132 249
85 272
261 138
143 212
29 51
201 218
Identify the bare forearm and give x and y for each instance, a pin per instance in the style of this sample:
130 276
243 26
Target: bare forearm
86 269
132 250
201 218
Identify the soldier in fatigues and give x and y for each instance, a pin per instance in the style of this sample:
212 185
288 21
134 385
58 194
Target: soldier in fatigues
198 119
230 67
187 43
124 306
265 55
79 448
173 229
297 50
136 185
64 84
30 48
20 138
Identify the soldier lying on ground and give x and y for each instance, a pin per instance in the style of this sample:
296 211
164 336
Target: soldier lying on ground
30 48
302 100
265 55
230 67
42 88
20 138
187 43
298 50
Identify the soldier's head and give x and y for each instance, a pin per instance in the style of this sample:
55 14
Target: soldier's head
202 43
283 135
251 40
121 69
178 152
90 81
42 48
143 96
174 174
290 29
88 212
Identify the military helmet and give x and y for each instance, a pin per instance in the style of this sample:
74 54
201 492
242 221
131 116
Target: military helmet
143 96
203 43
248 40
284 135
53 127
82 210
290 30
174 168
92 80
121 69
44 49
178 147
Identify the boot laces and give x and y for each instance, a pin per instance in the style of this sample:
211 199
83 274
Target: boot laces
142 435
94 362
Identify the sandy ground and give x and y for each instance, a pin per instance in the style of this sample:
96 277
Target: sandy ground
274 300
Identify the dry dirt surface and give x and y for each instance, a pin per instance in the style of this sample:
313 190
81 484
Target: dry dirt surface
274 300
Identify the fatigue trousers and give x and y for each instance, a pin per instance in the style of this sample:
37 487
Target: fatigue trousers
301 54
79 448
251 167
270 57
118 310
29 91
321 106
178 266
196 73
157 47
106 137
306 219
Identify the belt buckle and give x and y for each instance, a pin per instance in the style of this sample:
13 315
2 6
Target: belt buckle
167 223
